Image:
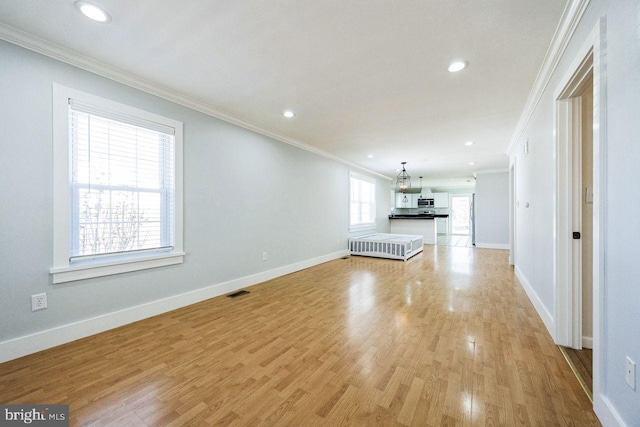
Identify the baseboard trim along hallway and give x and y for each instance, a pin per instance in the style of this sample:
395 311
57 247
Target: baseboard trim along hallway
544 314
22 346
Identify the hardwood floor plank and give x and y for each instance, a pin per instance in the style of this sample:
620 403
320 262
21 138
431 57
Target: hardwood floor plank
446 338
411 402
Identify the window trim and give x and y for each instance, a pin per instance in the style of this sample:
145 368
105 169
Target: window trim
368 226
62 271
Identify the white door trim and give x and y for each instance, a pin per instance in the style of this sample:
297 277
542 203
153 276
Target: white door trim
562 224
512 212
576 220
590 58
567 251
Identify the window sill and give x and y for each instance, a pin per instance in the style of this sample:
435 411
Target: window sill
88 271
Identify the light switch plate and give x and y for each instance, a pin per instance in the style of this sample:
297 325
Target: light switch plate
588 196
630 372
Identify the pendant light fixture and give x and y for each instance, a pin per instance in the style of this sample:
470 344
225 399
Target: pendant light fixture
420 188
403 183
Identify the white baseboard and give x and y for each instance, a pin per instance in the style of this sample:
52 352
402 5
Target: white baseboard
587 342
492 245
607 414
28 344
544 314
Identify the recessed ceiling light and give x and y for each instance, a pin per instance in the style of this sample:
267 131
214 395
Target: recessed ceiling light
288 114
472 163
468 143
456 66
370 156
92 11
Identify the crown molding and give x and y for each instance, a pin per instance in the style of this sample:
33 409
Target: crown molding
568 23
68 56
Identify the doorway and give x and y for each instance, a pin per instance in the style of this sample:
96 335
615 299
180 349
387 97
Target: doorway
584 205
512 213
578 303
579 353
461 215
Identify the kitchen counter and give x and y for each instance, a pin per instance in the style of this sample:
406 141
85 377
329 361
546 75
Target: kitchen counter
420 216
422 225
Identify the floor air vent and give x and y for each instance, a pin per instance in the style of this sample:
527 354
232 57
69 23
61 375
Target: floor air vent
237 294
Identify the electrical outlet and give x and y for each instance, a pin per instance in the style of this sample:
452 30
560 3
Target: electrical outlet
630 373
38 302
264 256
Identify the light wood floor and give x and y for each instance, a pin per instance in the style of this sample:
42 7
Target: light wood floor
446 338
454 240
582 361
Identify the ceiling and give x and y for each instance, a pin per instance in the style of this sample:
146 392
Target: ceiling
364 77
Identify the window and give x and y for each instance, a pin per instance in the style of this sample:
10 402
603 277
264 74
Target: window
362 203
117 188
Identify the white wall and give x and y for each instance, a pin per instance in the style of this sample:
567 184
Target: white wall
492 210
244 194
535 183
455 190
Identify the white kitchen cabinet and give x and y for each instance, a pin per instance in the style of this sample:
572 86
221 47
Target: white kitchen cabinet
421 227
441 200
412 200
441 225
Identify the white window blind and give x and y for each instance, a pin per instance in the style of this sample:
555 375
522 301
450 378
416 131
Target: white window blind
362 209
122 182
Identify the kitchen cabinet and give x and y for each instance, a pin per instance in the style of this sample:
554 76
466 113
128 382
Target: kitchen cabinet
412 200
441 225
399 202
441 200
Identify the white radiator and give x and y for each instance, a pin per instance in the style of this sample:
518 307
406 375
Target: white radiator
381 245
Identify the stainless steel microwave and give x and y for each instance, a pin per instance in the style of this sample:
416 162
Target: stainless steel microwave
425 203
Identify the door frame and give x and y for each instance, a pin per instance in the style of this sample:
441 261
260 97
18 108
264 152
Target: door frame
512 212
590 59
569 210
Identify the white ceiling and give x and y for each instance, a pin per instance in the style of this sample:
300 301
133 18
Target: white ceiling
363 76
